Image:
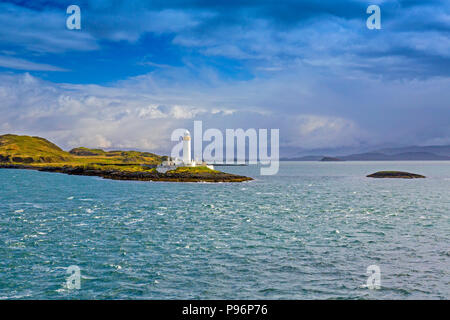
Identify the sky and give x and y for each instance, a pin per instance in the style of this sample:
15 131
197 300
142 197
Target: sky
137 70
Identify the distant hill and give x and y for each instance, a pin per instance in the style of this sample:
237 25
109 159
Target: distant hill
419 156
400 157
436 153
437 150
306 158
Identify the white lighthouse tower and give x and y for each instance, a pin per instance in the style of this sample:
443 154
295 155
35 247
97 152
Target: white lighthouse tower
174 163
187 148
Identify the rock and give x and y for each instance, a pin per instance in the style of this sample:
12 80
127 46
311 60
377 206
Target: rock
395 174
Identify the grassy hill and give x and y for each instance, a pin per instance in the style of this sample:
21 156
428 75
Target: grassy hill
41 152
25 149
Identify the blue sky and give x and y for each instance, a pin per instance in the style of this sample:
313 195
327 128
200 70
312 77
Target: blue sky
139 69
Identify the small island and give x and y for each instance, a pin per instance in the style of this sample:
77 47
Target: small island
395 174
35 153
331 159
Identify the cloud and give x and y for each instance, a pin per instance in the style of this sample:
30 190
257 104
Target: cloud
322 132
314 112
121 26
21 64
40 31
91 116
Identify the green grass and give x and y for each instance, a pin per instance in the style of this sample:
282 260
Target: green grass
115 157
128 168
39 152
82 151
193 170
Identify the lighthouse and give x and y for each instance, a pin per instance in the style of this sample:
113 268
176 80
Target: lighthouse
187 148
173 162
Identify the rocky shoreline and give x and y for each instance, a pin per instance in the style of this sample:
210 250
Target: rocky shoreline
136 176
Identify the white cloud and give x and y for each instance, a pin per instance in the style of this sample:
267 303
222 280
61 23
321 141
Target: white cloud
41 31
91 116
21 64
95 141
310 110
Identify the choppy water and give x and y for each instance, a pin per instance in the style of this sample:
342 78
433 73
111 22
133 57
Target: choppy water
310 232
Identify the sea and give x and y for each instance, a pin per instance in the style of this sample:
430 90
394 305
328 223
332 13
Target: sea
316 230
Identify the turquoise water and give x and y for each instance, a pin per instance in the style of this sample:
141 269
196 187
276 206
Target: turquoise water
309 232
